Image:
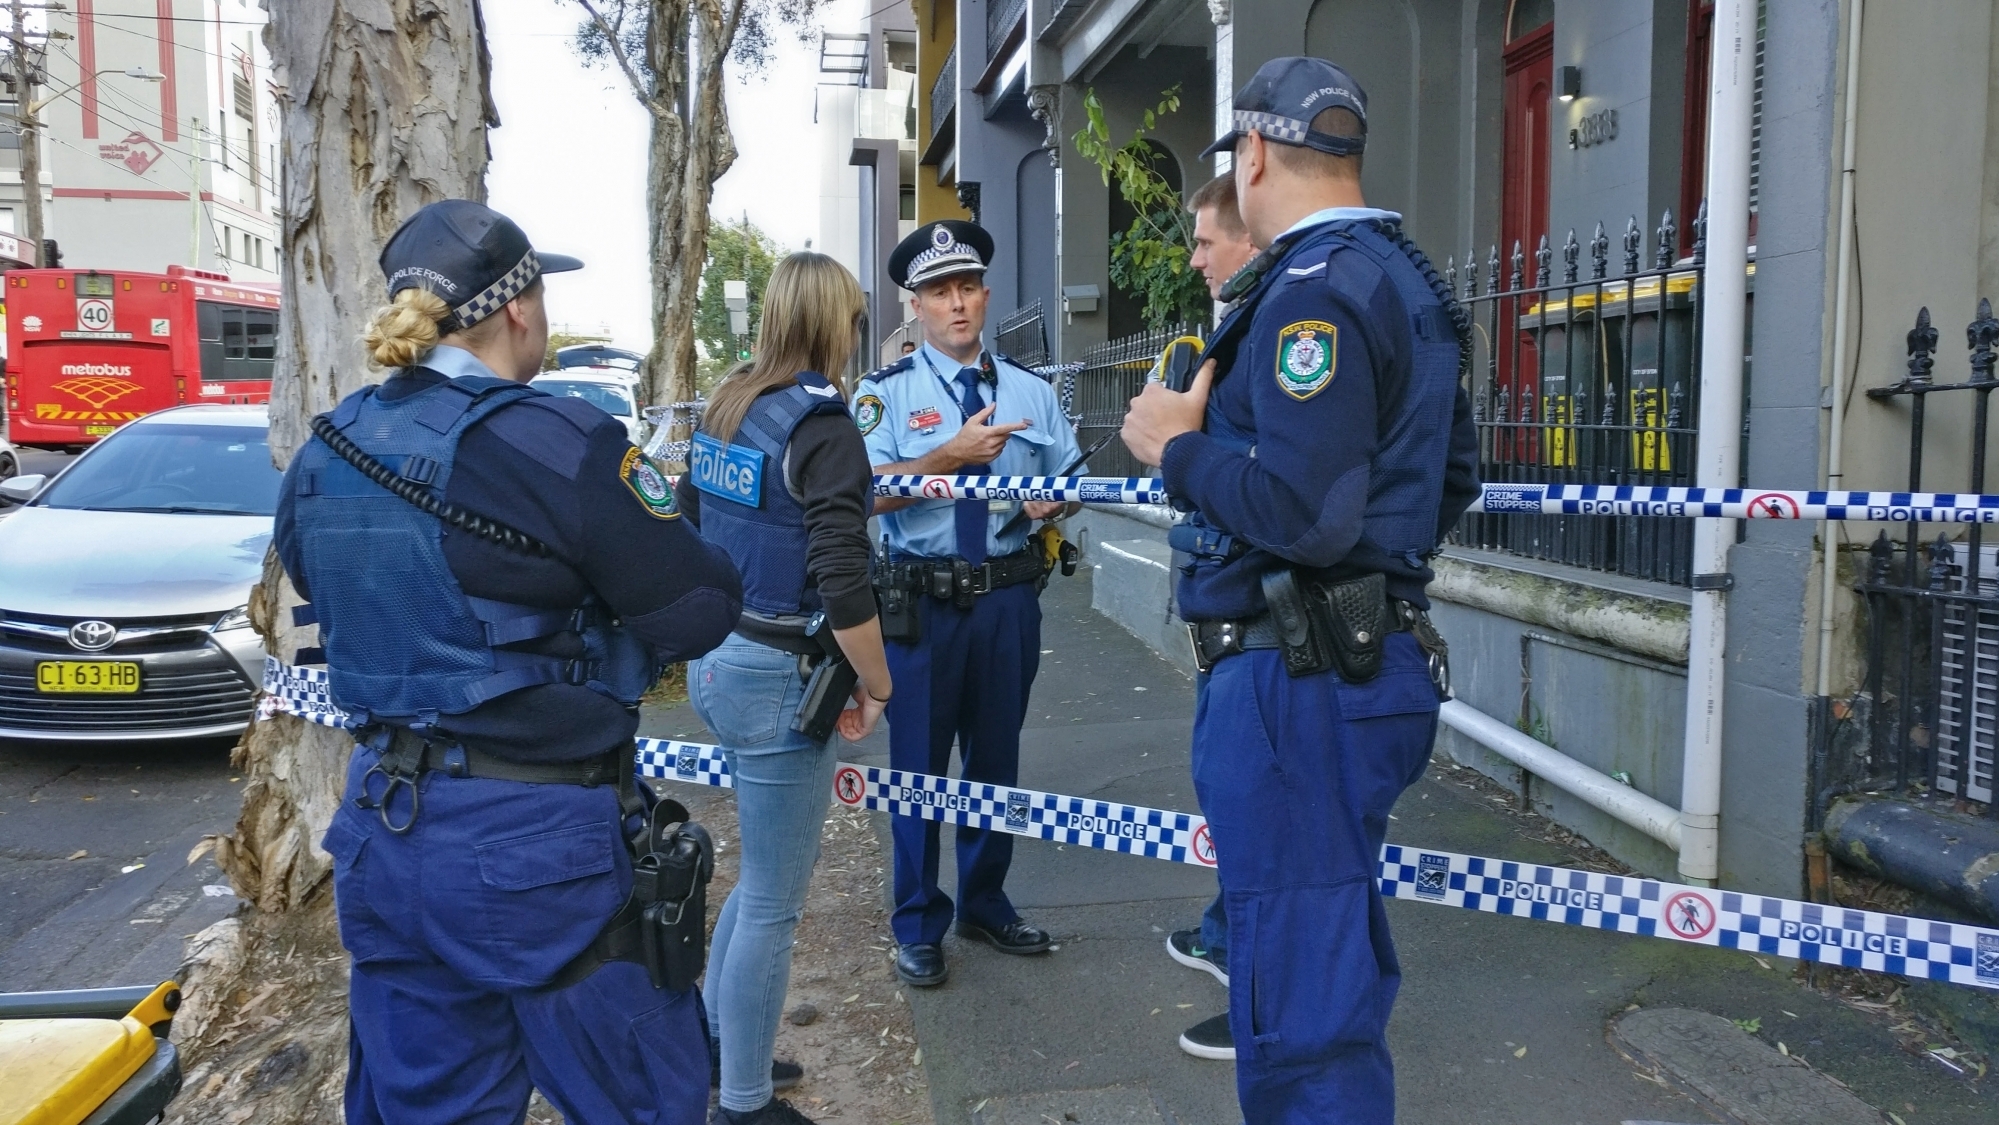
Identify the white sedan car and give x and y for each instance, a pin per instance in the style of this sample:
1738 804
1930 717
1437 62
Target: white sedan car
125 582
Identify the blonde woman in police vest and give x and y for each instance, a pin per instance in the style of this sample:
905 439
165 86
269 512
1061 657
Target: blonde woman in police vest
779 478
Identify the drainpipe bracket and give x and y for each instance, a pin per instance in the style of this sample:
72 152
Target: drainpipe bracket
1723 582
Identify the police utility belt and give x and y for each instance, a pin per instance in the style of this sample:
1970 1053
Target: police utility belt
901 586
663 925
1323 625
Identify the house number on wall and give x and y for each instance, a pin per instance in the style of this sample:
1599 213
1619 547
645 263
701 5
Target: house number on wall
1596 129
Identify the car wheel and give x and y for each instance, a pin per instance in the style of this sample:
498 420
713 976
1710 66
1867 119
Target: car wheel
8 466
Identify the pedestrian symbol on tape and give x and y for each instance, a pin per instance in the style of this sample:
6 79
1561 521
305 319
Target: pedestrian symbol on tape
848 785
1204 845
1773 506
937 488
1689 915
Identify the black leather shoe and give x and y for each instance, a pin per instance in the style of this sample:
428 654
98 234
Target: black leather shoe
1014 937
921 964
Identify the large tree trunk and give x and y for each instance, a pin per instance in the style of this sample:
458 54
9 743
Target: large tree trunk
386 106
690 149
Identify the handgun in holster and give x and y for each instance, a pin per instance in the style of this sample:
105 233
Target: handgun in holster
900 619
670 887
829 684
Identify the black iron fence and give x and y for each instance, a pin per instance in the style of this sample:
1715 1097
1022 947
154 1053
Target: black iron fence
943 96
1022 335
1930 704
1101 391
1587 381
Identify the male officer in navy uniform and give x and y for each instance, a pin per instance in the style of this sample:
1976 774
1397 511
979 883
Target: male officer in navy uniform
480 849
963 662
1321 456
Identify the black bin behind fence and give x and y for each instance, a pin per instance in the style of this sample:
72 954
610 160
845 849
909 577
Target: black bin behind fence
1930 702
1587 381
1111 376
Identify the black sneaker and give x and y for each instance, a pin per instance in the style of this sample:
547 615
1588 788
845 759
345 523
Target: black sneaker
1185 947
784 1074
1210 1039
776 1111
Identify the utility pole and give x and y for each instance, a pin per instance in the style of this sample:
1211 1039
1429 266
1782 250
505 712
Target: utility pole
31 134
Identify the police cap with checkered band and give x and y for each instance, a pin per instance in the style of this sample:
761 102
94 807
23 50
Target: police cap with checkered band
940 249
1284 96
470 255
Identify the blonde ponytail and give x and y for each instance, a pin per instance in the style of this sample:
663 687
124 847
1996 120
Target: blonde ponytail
405 330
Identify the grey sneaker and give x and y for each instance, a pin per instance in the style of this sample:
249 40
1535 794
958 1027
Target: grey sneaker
1210 1039
1185 947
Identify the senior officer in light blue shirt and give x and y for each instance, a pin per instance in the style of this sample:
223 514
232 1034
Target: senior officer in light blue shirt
965 655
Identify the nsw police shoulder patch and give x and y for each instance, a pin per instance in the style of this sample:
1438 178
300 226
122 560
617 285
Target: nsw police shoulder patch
868 411
1308 355
648 485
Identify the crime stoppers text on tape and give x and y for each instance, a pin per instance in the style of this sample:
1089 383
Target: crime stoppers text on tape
1085 490
1858 939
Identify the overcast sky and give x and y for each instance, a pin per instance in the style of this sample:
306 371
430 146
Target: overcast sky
569 158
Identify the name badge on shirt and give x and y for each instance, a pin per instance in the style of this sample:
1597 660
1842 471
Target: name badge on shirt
1000 507
728 471
926 419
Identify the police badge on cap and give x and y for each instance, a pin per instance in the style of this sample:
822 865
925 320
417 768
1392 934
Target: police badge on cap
940 249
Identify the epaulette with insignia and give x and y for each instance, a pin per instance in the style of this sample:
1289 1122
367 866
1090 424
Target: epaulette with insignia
896 368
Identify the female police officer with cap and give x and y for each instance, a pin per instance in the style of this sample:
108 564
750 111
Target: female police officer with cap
492 663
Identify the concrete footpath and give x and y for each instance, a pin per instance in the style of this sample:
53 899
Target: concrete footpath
1501 1020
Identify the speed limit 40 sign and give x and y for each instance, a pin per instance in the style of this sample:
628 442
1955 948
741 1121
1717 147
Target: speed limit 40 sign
93 314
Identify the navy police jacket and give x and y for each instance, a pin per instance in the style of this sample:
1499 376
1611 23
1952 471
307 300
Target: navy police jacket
1337 437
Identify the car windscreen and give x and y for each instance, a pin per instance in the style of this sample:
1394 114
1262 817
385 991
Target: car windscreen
163 467
609 399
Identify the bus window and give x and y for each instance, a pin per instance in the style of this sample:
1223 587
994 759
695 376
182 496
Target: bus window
260 327
232 338
238 344
208 324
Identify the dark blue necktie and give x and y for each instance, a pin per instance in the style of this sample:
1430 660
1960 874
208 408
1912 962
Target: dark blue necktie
971 515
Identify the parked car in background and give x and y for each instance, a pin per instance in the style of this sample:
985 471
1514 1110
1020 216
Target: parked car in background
125 582
599 355
612 390
10 460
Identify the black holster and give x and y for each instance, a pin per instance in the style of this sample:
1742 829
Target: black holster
901 619
1339 625
664 924
829 684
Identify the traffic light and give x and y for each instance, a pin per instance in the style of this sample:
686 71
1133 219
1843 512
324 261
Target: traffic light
743 352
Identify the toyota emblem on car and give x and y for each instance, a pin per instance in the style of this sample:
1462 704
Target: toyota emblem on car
92 636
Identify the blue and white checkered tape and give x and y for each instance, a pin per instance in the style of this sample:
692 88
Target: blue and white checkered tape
1858 939
1086 490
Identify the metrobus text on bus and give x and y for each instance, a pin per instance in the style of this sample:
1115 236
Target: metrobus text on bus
89 350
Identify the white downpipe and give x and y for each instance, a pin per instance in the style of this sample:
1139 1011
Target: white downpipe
1655 818
1835 464
1731 99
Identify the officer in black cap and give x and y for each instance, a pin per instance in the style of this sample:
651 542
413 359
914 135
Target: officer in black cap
1321 455
965 642
497 576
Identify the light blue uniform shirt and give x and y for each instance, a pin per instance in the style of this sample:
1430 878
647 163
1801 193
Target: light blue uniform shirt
1336 214
455 363
912 406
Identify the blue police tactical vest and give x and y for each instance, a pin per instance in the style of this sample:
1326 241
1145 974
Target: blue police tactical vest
404 644
758 521
1406 477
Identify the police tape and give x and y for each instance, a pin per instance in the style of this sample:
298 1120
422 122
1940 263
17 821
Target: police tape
1086 490
1513 499
1757 924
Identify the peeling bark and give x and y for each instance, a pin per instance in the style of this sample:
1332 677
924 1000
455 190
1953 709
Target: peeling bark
385 108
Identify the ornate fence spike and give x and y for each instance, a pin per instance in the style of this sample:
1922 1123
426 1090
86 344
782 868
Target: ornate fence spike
1942 558
1492 270
1669 241
1450 273
1633 239
1471 273
1880 557
1609 409
1982 334
1519 263
1543 258
1922 343
1527 402
1700 234
1571 250
1599 254
1676 401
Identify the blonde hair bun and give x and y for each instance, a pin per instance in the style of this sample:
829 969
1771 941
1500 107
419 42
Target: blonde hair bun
405 329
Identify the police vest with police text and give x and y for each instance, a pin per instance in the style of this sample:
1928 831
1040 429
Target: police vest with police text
758 521
404 644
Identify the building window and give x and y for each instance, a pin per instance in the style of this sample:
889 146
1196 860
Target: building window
1528 15
907 210
7 220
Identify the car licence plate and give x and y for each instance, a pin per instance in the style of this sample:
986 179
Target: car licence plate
93 677
97 431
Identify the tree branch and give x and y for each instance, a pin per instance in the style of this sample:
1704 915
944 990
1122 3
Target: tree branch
616 46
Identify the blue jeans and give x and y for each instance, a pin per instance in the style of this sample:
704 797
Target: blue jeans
1215 930
747 693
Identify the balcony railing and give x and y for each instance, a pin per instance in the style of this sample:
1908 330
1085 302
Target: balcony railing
944 96
1001 16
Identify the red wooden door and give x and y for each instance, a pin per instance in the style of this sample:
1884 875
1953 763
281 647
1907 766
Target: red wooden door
1523 218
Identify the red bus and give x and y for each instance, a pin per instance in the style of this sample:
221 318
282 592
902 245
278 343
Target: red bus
89 350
